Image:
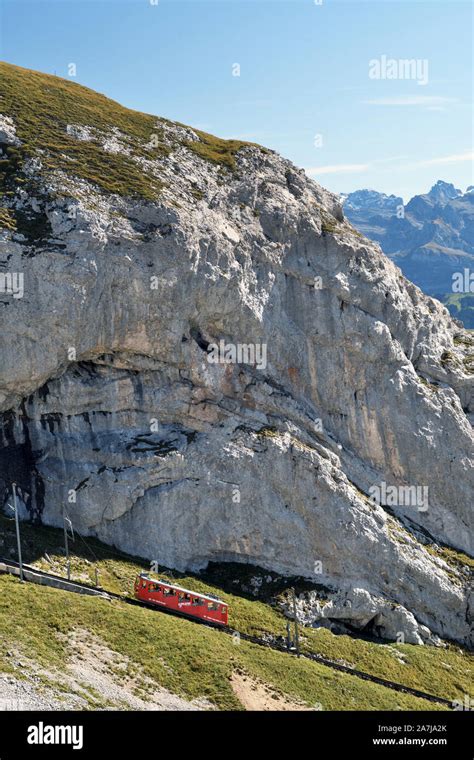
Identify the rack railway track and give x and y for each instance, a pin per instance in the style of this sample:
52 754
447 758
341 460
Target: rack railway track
259 641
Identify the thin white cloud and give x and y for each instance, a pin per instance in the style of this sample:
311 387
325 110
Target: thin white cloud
453 159
412 100
389 160
354 168
337 169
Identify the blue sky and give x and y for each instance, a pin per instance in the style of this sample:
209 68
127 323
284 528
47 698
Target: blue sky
304 72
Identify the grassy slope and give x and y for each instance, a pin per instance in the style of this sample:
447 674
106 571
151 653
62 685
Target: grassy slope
43 105
445 672
461 306
188 659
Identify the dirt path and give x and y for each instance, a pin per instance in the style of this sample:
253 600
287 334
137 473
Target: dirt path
255 695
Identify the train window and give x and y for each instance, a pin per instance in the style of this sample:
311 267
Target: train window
187 598
169 592
197 602
212 606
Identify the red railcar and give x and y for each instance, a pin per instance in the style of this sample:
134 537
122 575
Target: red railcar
166 595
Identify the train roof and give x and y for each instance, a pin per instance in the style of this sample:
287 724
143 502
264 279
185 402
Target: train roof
210 597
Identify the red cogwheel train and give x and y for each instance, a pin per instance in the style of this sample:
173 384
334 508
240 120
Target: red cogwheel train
165 595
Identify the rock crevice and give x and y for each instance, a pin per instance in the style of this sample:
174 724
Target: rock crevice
106 381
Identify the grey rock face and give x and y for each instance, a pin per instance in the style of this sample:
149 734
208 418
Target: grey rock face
357 609
113 408
8 131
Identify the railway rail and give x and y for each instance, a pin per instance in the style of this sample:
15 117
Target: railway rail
259 641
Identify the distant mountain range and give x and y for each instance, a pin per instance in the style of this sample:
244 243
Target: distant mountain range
431 239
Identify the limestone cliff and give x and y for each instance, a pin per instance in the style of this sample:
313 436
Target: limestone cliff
134 252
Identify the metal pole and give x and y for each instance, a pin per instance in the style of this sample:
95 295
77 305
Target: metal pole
17 524
66 546
297 639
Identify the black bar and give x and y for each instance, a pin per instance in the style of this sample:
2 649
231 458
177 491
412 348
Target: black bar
376 734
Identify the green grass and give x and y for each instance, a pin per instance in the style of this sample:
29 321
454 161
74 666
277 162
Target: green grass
43 105
7 219
429 385
461 306
469 364
329 224
215 149
190 660
446 672
464 339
